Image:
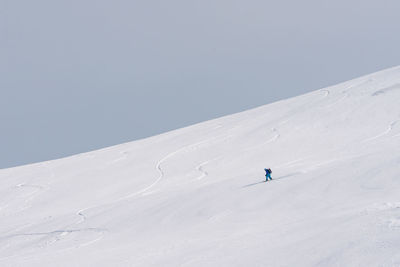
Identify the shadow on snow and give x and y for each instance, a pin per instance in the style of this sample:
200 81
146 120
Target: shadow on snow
273 179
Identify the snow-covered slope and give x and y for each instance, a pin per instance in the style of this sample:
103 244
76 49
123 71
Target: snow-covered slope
196 196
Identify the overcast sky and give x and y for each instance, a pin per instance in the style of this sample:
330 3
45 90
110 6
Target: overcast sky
77 75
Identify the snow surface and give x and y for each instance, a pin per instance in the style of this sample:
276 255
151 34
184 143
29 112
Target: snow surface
196 196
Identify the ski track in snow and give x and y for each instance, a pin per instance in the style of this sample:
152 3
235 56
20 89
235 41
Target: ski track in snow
387 131
326 91
59 234
345 92
80 213
56 236
121 158
158 167
337 100
200 169
82 216
30 185
273 139
56 232
387 89
28 197
172 154
292 163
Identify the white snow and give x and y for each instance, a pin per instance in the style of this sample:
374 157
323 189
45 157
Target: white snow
196 196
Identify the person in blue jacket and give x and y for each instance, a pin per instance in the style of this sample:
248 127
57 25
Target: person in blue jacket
268 174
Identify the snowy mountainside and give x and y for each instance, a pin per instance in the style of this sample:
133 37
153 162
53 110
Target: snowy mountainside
196 196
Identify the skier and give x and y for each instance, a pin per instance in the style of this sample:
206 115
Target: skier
268 174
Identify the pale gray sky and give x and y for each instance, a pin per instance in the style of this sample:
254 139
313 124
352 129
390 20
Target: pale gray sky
77 75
